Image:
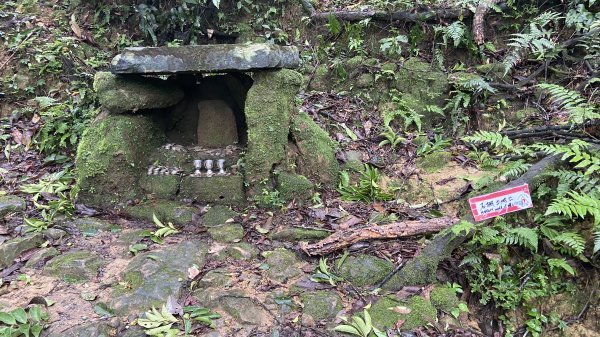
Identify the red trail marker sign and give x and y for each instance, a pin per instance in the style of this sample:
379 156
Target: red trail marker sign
501 202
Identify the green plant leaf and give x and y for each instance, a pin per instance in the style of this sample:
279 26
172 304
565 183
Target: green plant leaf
347 329
7 318
20 315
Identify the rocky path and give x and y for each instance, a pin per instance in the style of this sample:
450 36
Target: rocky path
102 275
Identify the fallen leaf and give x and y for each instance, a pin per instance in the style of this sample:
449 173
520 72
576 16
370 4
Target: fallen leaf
35 118
17 136
401 310
193 271
216 248
368 126
75 27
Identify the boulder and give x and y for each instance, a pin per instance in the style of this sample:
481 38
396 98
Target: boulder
282 265
204 58
216 124
11 203
218 215
227 233
11 249
322 304
120 94
152 280
365 270
75 266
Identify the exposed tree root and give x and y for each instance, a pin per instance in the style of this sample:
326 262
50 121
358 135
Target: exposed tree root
478 26
345 238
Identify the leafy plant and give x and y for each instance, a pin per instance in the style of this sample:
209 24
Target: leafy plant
159 323
437 144
392 46
270 198
578 108
20 322
201 315
360 326
323 274
391 137
163 230
366 189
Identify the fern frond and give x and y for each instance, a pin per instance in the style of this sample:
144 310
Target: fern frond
522 236
578 152
495 139
572 242
570 101
568 180
576 205
515 169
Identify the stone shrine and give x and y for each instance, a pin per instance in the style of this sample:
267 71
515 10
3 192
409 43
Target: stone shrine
210 123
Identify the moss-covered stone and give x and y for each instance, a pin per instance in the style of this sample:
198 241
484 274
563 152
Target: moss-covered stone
163 187
218 215
10 249
299 234
321 79
392 67
444 298
120 94
41 256
244 310
269 104
90 226
282 265
166 211
111 157
364 270
420 312
238 251
422 85
421 272
294 186
227 233
494 71
216 189
434 161
322 304
365 81
215 278
74 267
316 158
11 203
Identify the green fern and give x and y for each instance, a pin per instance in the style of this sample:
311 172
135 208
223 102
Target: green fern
576 205
515 169
578 152
522 236
495 139
578 107
579 181
560 264
571 242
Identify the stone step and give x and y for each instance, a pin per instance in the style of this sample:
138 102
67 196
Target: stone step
204 59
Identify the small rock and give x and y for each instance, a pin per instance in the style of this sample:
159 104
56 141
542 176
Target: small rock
321 305
11 249
281 264
74 267
88 296
238 251
41 257
91 226
244 310
227 233
214 278
218 215
55 233
93 329
10 204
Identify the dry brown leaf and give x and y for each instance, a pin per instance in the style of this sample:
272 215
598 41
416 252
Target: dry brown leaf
35 118
17 136
75 27
401 310
193 272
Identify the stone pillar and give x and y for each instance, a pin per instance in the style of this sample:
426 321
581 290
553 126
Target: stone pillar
216 124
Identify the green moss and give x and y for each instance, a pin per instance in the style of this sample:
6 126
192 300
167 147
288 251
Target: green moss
434 161
218 215
74 267
365 80
419 271
322 304
444 298
294 186
238 251
316 150
222 190
321 79
131 280
11 203
119 94
421 313
227 233
269 104
163 187
389 67
382 314
111 157
299 234
355 62
364 270
166 211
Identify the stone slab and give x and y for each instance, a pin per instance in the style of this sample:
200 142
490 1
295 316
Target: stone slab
216 189
204 59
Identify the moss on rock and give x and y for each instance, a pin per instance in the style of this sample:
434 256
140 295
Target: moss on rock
364 270
166 211
163 187
299 234
444 298
11 203
218 215
216 189
294 186
434 161
131 93
420 313
322 304
282 265
227 233
269 104
74 267
316 158
111 157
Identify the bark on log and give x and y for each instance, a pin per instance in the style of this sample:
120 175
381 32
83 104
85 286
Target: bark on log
478 26
345 238
422 268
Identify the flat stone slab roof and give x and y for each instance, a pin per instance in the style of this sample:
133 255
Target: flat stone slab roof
204 59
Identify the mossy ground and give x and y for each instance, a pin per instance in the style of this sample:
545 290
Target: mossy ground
294 186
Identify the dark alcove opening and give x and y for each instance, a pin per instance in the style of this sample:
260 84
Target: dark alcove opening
211 115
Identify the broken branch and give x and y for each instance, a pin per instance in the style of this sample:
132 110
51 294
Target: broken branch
345 238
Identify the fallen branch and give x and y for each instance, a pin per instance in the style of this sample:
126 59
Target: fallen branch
550 128
345 238
404 16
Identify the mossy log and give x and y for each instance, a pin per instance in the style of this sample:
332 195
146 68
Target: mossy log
421 269
345 238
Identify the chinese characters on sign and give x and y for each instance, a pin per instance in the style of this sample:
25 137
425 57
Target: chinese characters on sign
499 203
